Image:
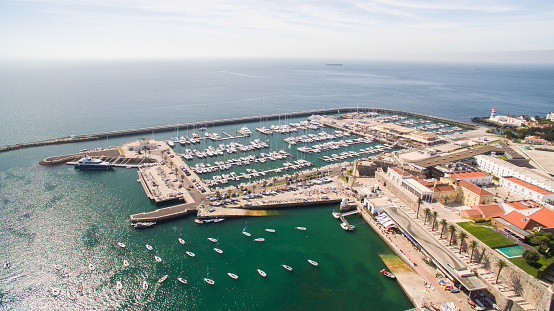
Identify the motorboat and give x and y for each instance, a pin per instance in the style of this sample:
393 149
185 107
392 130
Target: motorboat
163 278
313 262
118 285
149 247
209 281
121 244
181 241
336 215
140 225
388 274
246 233
259 240
270 230
232 275
301 228
219 219
125 263
262 273
180 279
217 250
287 267
191 254
144 285
158 259
345 226
212 240
88 163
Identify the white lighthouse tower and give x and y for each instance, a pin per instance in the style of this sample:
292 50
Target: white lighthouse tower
493 113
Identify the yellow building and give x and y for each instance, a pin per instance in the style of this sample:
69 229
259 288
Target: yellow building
471 195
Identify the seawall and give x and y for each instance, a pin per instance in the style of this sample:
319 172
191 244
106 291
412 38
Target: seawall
166 128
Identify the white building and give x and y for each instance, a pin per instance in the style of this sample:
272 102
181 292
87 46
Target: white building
550 116
407 182
501 168
506 120
526 190
476 178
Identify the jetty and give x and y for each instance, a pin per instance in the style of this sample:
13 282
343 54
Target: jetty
172 127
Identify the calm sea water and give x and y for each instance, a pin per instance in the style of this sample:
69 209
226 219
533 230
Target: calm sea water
60 216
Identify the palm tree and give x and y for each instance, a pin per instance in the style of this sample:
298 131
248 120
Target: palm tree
443 224
427 214
419 201
229 192
295 177
473 245
176 171
462 236
452 230
435 214
275 181
500 264
253 188
264 183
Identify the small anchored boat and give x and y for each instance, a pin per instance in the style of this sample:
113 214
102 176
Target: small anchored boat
262 273
232 275
212 240
259 240
158 259
180 279
209 281
149 247
191 254
125 263
301 228
287 267
144 285
246 233
388 274
270 230
181 241
313 262
163 278
121 244
217 250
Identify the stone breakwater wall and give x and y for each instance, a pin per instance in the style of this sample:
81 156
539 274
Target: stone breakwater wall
525 285
172 127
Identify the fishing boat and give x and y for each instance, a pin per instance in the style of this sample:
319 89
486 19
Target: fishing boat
180 279
181 241
259 240
91 267
217 250
144 285
140 225
232 275
125 263
388 274
212 240
313 262
209 281
118 285
149 247
287 267
163 278
121 244
262 273
70 295
270 230
158 259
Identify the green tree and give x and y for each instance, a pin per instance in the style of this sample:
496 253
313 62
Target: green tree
427 214
419 201
275 181
435 215
217 194
253 188
264 183
452 230
500 265
473 246
530 256
443 224
462 236
229 192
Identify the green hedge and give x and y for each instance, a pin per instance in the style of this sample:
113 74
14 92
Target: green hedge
545 268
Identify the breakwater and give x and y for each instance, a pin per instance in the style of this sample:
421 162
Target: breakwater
166 128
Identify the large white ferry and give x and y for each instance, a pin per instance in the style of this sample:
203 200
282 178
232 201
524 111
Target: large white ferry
88 163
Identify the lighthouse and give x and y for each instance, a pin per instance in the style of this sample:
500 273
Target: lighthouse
493 113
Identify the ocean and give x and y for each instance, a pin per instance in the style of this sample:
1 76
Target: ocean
58 216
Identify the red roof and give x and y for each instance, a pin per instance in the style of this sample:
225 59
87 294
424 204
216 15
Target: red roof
523 204
468 175
519 220
528 185
544 216
473 188
490 210
471 213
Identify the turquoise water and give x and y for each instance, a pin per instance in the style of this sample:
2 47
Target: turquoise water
512 251
62 216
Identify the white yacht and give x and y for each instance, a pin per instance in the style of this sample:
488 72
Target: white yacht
88 163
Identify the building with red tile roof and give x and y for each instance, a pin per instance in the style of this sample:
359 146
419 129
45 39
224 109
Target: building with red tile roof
483 211
527 190
471 194
476 178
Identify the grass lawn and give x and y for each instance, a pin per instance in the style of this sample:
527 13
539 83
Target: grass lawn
531 270
486 235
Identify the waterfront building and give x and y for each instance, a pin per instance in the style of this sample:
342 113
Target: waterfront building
506 120
501 168
142 144
527 190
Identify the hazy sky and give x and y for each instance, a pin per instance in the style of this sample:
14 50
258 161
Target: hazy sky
333 30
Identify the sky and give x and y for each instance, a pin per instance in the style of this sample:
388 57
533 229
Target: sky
325 29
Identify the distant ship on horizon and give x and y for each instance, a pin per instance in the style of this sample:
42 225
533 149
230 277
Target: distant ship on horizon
329 64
